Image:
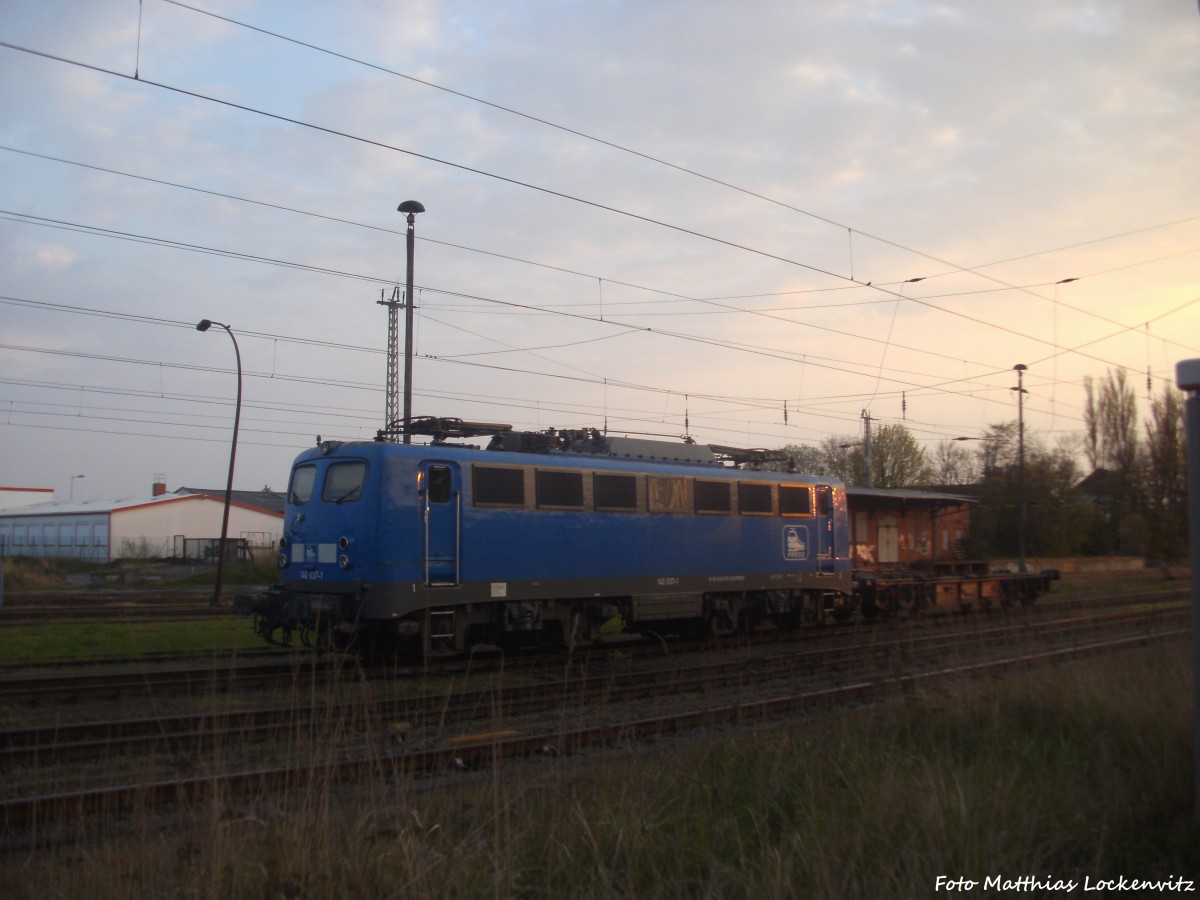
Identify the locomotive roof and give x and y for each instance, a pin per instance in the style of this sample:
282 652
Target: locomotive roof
596 444
590 442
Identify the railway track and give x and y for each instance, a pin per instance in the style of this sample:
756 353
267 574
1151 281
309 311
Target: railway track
559 717
142 660
59 742
120 606
216 676
151 675
174 613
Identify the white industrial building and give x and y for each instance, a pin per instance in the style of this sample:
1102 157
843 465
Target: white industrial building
185 524
12 497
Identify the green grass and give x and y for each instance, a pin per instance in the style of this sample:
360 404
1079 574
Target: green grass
24 573
1125 583
1069 772
89 641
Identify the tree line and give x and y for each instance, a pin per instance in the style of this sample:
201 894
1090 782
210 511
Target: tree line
1117 489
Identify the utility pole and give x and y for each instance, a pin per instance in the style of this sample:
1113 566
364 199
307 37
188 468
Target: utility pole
392 412
1187 377
1020 368
866 417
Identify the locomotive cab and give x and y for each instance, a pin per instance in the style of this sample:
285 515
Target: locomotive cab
325 557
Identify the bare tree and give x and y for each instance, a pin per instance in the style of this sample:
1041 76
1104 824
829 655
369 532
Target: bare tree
954 464
1091 424
897 460
1165 488
843 458
1117 409
800 458
998 447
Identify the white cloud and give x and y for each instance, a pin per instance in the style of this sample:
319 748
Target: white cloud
966 132
46 258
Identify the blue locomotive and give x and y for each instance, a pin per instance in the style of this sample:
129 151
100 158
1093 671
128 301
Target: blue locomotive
541 538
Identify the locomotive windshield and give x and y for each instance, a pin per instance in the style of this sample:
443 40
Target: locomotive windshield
303 479
344 482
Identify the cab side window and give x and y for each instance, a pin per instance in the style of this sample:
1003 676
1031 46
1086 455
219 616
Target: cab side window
441 484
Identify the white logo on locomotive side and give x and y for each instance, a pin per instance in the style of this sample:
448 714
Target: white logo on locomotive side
795 542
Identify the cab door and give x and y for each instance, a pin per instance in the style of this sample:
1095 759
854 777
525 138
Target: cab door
440 490
826 548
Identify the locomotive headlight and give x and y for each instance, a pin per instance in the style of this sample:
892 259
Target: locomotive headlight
344 561
283 560
343 543
283 543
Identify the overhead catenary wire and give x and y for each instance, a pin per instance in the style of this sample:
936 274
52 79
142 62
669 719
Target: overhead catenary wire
505 179
195 248
811 407
733 310
687 170
719 304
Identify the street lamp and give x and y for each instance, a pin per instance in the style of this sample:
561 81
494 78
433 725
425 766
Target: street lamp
1187 377
1020 370
73 477
410 208
204 325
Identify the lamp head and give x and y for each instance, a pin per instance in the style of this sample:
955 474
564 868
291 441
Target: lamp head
410 206
203 325
1187 374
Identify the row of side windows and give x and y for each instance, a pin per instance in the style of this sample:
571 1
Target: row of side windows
527 487
79 535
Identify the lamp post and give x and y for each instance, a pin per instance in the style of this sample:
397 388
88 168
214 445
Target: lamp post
1187 377
1020 370
72 493
410 208
204 325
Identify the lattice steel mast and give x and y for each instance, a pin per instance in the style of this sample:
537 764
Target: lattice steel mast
392 412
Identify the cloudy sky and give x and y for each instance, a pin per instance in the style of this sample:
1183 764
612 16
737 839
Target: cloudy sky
655 216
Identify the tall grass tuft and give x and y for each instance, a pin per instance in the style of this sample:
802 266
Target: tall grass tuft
1068 772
